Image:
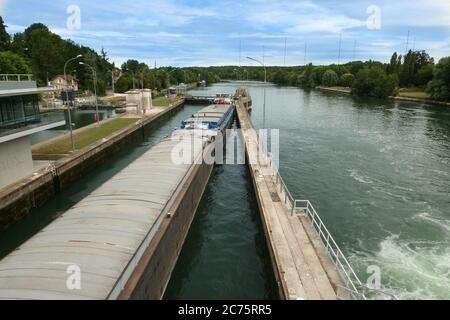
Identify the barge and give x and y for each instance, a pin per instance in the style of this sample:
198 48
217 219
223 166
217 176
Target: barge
122 241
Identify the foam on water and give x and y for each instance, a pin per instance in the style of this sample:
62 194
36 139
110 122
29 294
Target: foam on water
437 221
409 269
360 178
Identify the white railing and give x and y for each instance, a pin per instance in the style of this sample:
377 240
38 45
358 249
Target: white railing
347 273
16 77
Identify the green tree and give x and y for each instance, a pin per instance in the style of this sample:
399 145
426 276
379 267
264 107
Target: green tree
394 64
13 63
124 84
330 78
5 38
408 70
439 87
347 80
373 82
424 75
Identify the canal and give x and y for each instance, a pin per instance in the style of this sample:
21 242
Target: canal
378 173
225 254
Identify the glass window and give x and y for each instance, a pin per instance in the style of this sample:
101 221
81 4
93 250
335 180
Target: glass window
29 106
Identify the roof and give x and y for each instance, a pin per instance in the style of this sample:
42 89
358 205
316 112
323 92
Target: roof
28 91
69 77
101 233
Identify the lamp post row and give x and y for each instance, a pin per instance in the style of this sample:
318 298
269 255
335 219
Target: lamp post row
94 72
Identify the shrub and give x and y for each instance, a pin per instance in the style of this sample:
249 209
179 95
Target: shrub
347 80
373 82
330 78
439 87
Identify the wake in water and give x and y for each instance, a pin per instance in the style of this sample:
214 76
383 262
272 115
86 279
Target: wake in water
409 269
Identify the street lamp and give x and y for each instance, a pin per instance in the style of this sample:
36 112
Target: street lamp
67 98
237 73
246 71
265 81
132 72
112 80
184 71
95 89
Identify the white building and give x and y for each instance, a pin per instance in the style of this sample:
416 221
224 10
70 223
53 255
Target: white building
20 118
61 84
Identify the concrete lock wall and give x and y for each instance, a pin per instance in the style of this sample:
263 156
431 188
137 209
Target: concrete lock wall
15 160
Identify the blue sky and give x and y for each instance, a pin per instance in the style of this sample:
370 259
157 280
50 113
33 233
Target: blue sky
203 33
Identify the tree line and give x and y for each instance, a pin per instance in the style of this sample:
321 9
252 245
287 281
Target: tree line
416 69
39 51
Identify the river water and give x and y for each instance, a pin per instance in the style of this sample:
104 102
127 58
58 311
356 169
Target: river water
378 173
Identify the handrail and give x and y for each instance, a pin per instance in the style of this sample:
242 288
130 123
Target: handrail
344 268
17 76
392 296
352 282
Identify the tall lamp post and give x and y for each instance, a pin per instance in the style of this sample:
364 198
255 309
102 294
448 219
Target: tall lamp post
112 81
265 81
168 77
95 89
134 76
67 98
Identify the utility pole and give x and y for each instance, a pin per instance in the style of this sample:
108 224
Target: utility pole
67 98
407 43
340 42
304 56
112 80
240 52
265 83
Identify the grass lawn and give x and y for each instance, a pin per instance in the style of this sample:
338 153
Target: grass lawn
417 94
82 139
163 101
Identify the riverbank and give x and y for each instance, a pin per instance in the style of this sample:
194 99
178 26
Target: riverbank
344 90
17 200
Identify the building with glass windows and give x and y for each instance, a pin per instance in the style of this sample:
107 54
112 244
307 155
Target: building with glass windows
19 119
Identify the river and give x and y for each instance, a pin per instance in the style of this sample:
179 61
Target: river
378 173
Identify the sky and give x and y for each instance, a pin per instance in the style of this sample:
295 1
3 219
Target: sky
224 32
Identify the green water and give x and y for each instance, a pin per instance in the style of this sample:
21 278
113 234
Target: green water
378 173
225 254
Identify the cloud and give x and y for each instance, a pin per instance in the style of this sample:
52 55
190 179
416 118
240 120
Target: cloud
209 32
2 5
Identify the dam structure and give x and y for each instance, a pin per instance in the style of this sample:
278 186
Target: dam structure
124 238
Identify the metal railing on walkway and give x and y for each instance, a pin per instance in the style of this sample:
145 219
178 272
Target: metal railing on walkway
348 275
16 77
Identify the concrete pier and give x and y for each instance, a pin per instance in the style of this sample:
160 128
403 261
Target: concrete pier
301 264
